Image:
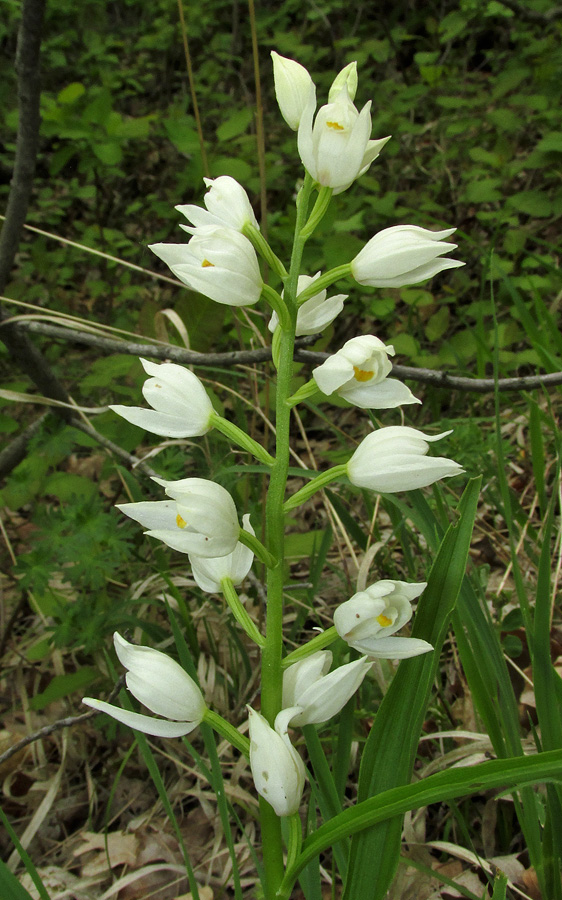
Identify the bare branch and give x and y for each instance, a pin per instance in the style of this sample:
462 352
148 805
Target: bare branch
58 725
23 352
249 357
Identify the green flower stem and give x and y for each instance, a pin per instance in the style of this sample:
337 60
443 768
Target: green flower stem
228 731
271 672
317 643
262 553
304 392
239 612
294 839
324 282
315 485
277 303
318 211
264 250
241 439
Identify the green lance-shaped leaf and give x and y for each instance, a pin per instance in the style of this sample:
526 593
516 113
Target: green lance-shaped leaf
388 805
389 754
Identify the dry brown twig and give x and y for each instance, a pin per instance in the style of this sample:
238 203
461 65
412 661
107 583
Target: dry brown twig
66 722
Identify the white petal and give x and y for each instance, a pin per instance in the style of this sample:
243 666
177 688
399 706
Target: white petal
385 394
155 727
392 647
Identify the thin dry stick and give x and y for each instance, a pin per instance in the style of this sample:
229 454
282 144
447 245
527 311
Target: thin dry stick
108 256
260 136
58 725
193 93
248 357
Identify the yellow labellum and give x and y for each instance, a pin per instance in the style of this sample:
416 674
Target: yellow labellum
362 374
335 125
384 621
181 523
205 264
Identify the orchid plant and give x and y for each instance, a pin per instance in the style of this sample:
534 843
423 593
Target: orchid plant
197 517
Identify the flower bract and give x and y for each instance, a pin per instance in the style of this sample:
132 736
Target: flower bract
199 518
160 684
367 621
358 373
180 404
403 254
394 459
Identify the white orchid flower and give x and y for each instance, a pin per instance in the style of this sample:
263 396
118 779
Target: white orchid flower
317 312
403 254
218 262
367 621
227 206
394 459
209 572
294 88
336 148
160 684
180 404
316 694
277 769
199 518
358 373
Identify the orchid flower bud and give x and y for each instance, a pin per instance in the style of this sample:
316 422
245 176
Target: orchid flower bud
367 620
277 769
180 404
336 149
315 695
403 254
218 262
200 518
316 313
358 373
227 206
347 77
294 88
394 459
160 684
209 572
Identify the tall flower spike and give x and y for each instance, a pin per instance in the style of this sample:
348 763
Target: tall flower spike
294 88
358 373
367 621
218 262
199 518
316 313
277 769
336 149
209 572
403 254
394 459
180 404
227 206
160 684
317 695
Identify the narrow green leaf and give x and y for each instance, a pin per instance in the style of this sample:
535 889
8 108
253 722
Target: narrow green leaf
389 753
498 773
10 888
